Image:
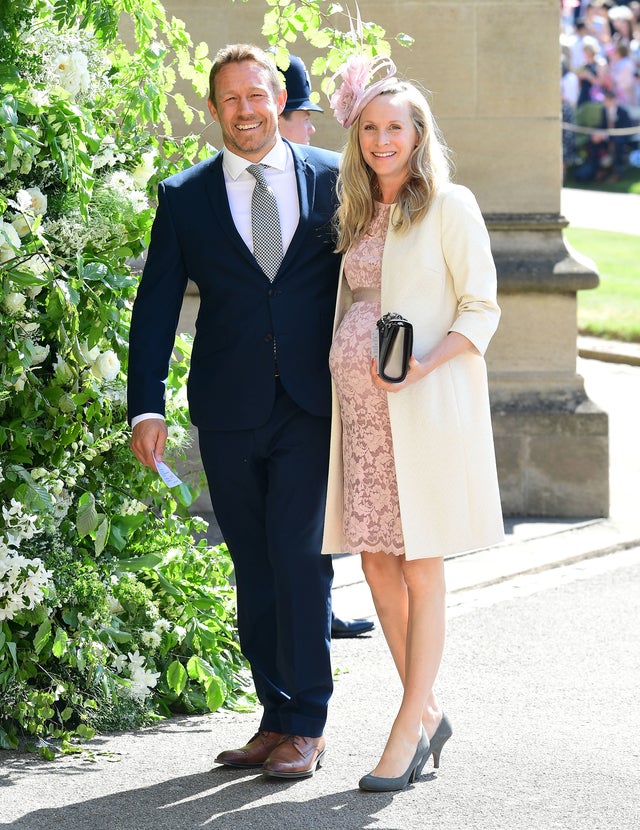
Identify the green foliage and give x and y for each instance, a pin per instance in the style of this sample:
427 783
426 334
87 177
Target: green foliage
611 310
337 31
111 612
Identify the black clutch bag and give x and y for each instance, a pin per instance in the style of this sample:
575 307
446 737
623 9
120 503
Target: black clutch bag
395 347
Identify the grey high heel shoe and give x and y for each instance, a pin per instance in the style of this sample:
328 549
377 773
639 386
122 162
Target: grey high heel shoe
440 737
378 784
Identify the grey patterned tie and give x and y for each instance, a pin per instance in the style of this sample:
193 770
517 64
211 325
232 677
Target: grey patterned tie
265 224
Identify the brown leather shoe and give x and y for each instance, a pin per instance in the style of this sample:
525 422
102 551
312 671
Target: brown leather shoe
253 754
295 757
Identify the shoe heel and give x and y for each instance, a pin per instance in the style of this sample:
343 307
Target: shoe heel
442 735
420 767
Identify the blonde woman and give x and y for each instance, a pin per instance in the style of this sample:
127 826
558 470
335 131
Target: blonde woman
412 471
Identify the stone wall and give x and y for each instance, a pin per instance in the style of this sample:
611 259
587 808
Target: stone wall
492 69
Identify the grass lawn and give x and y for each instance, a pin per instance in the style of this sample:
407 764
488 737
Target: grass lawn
611 310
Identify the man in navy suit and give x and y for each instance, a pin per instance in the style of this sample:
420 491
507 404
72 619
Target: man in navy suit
259 390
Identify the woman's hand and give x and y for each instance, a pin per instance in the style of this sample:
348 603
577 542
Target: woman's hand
415 373
450 346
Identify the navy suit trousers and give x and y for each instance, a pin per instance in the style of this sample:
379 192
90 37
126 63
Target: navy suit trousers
268 490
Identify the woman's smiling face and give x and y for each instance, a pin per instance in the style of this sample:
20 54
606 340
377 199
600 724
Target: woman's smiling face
387 137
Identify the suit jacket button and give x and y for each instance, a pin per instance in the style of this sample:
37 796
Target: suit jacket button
268 338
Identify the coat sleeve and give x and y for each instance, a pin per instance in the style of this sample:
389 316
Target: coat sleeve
155 315
467 252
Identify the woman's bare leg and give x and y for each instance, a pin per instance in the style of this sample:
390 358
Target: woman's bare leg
414 628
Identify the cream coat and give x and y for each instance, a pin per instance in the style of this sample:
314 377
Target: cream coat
442 278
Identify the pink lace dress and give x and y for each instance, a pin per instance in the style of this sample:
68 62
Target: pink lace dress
371 508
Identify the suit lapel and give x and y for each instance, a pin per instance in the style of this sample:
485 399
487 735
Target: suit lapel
219 204
306 181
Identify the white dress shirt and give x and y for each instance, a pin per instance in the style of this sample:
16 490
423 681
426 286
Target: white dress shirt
281 177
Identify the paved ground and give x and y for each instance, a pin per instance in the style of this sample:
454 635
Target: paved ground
540 680
601 210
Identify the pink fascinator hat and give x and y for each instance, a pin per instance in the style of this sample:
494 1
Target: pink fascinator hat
358 87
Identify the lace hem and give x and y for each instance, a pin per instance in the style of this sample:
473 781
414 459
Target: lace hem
368 547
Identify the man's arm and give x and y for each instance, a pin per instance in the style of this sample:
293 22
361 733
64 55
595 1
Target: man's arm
152 334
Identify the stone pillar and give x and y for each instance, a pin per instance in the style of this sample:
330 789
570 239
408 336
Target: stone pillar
492 68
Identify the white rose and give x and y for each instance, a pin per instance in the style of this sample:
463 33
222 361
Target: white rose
107 156
107 366
9 241
88 354
14 302
145 169
40 354
38 201
21 226
23 200
34 290
72 72
36 264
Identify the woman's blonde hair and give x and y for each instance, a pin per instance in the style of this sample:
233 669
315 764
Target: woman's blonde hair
428 168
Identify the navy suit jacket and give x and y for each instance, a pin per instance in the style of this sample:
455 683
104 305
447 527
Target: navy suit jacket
231 381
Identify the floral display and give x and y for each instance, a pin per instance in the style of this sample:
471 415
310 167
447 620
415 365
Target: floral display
113 609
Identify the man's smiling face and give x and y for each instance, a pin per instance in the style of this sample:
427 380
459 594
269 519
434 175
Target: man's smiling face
247 109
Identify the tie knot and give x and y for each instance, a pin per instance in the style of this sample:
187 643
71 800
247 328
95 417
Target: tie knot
256 171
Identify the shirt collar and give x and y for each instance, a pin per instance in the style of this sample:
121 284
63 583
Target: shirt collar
234 165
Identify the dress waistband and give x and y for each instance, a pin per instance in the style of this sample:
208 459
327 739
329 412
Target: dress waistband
366 295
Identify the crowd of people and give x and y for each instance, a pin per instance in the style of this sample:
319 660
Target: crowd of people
600 86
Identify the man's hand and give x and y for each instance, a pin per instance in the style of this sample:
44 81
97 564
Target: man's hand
148 438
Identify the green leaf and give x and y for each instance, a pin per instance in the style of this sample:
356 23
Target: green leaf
214 693
84 731
177 677
115 634
102 534
184 494
43 634
87 516
59 643
201 50
199 668
146 562
95 271
33 495
8 741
